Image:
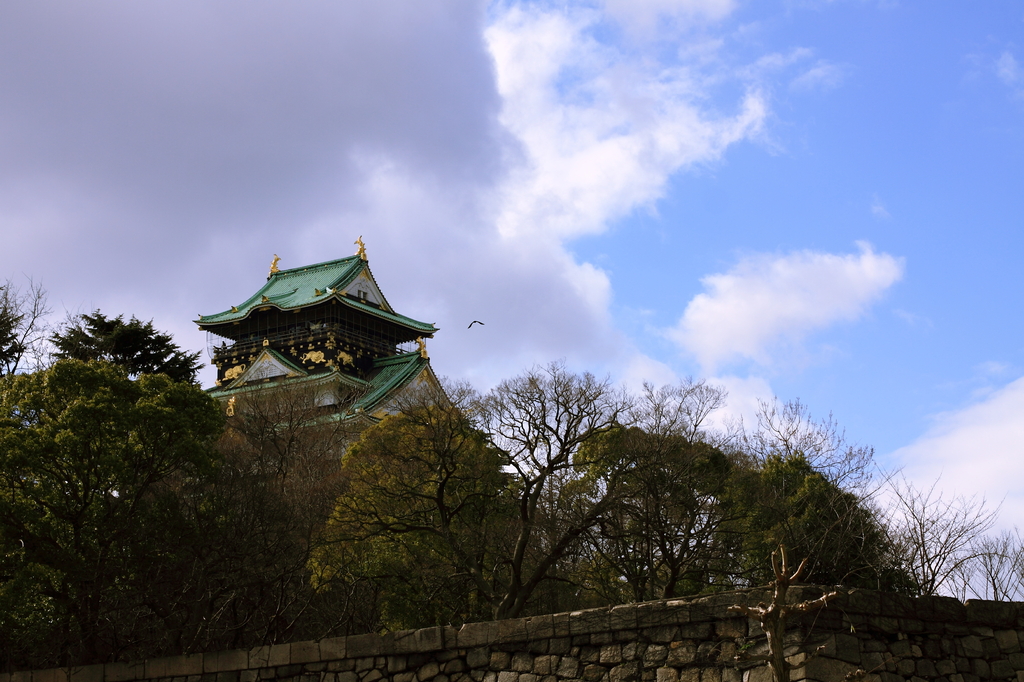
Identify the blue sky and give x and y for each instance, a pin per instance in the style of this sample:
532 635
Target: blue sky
815 200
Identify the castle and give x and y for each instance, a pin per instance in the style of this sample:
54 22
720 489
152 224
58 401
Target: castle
326 327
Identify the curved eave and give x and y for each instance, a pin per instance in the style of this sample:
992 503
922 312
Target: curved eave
286 301
334 375
395 373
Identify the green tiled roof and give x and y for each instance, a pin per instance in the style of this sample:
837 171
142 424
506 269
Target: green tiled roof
312 285
394 373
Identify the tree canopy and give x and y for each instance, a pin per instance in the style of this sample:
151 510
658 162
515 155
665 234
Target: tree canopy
85 457
135 345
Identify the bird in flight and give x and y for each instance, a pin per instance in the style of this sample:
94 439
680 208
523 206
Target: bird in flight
474 322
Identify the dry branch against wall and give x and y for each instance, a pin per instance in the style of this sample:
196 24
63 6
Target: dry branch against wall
773 616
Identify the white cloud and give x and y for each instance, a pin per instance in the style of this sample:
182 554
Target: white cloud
645 16
768 299
600 133
878 209
742 404
978 450
823 75
1008 69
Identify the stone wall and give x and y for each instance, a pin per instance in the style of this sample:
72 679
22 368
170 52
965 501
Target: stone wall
891 638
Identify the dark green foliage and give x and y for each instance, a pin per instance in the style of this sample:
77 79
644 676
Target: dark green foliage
88 463
135 345
785 501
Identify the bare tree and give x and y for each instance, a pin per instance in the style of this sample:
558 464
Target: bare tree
679 410
787 429
995 572
541 422
23 327
936 537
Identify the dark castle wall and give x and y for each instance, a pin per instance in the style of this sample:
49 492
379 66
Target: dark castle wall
892 638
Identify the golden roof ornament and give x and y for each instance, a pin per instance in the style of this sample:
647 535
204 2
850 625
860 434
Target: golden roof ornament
362 248
273 265
231 406
422 343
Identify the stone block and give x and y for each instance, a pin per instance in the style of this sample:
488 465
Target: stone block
995 614
689 675
762 673
568 667
304 652
980 668
593 673
667 675
632 651
622 617
561 624
500 660
731 628
522 662
427 671
589 621
473 635
528 677
332 649
655 614
611 654
478 657
512 630
455 665
971 647
430 639
120 672
21 676
1007 641
732 675
627 672
1002 670
699 631
821 669
222 661
87 673
368 676
227 676
540 627
681 653
545 665
357 646
50 675
175 666
655 655
508 676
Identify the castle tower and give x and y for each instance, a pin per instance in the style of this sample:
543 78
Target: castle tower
326 326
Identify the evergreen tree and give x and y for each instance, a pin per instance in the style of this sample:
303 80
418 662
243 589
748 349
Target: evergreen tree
135 345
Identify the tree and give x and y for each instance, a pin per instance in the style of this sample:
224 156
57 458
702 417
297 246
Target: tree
88 460
499 489
786 501
542 423
936 537
425 512
135 345
22 327
664 537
